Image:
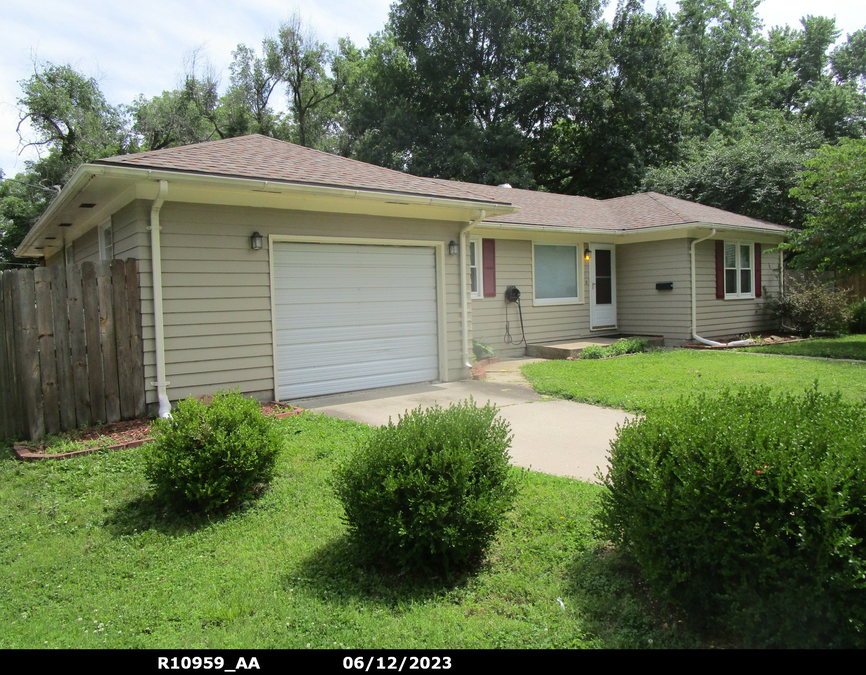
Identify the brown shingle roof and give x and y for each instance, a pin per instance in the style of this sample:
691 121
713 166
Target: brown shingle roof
262 157
652 209
265 158
553 210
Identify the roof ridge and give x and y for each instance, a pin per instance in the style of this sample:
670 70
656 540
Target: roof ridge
652 195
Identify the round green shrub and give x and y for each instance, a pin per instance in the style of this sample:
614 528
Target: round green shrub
749 511
208 456
430 492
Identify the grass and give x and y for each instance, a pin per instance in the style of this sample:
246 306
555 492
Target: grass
89 559
848 347
639 382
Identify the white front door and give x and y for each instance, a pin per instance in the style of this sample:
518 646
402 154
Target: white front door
602 308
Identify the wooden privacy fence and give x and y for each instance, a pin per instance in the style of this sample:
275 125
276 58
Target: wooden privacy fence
70 347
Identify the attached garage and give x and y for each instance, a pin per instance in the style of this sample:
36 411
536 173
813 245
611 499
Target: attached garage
353 316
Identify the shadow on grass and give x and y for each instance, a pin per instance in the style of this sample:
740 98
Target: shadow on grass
339 571
619 609
150 512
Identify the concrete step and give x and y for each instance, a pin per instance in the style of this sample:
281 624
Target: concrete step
573 348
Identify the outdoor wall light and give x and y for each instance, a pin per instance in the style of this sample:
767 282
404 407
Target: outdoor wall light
256 241
587 255
453 249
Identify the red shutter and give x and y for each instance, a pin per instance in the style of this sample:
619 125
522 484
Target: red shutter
720 270
757 270
488 257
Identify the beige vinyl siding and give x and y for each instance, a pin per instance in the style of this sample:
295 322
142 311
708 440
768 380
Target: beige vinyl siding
86 247
216 291
643 310
729 318
543 323
54 259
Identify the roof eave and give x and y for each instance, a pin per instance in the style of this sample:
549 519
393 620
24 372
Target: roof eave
87 172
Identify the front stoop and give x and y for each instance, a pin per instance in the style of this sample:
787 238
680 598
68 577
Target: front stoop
573 348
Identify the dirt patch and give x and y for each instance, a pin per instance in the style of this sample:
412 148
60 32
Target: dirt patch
115 436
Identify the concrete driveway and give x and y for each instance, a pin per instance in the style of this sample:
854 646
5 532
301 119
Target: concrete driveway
550 435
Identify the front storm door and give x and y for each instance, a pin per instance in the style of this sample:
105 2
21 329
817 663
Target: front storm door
602 287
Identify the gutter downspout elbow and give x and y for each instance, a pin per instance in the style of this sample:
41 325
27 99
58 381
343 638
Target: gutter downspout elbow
464 290
156 268
695 335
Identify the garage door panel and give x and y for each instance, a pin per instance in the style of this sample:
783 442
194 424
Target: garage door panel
356 353
350 317
352 296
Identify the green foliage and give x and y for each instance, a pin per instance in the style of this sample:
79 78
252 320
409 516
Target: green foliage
212 455
748 167
833 190
810 305
857 324
430 492
747 510
481 350
618 348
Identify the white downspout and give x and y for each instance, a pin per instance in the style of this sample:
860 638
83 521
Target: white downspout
156 269
695 335
464 291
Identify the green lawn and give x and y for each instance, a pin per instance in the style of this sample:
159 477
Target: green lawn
640 381
848 347
88 559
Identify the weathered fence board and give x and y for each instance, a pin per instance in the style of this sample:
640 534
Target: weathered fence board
65 381
47 355
78 348
27 342
136 345
70 347
121 324
108 339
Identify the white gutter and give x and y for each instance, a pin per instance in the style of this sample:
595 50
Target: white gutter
464 290
279 187
156 268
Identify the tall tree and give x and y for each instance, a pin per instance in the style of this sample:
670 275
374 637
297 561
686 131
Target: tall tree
748 167
833 189
70 120
464 89
631 118
313 83
720 39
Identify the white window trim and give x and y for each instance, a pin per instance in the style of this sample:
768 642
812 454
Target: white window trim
739 296
580 299
479 266
103 252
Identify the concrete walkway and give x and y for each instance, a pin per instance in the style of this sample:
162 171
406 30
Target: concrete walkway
550 435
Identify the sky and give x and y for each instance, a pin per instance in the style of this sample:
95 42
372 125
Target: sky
139 47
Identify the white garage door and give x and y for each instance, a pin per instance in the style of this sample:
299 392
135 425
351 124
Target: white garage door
353 317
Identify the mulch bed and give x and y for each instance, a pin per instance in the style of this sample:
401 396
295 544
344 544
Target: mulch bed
117 436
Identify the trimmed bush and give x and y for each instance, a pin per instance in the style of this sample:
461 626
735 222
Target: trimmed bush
430 492
857 324
209 456
748 511
811 306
